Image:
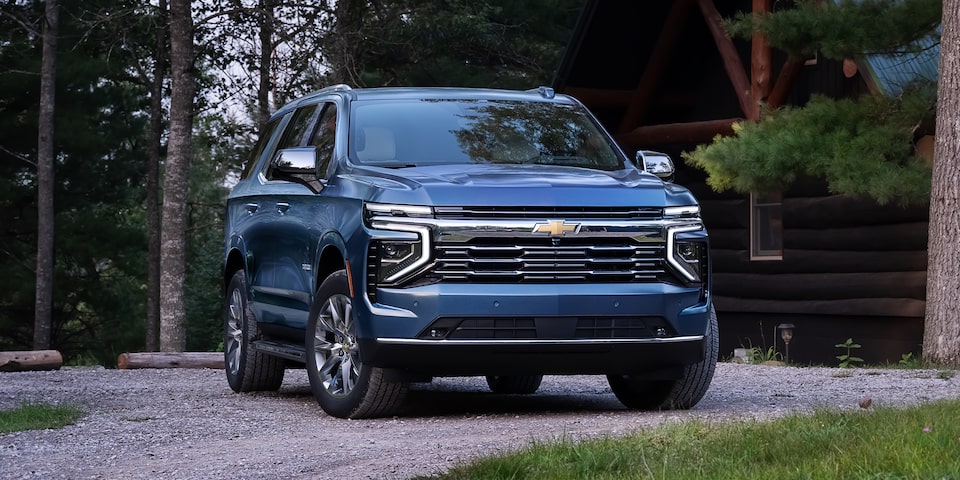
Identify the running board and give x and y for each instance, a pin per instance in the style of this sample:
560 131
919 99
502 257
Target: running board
283 350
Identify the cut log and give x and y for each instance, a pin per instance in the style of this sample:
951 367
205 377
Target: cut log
170 360
731 58
672 133
30 360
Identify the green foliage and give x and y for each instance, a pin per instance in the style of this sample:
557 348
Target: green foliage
908 360
38 416
218 146
847 359
861 147
919 442
106 51
98 174
844 29
489 43
758 355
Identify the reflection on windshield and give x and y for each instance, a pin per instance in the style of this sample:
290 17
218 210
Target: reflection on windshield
442 132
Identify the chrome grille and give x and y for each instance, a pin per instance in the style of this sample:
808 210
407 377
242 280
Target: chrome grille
646 213
550 260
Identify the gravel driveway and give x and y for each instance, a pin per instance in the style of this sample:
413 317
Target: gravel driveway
187 424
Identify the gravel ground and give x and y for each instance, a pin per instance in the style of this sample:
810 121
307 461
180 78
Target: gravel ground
188 424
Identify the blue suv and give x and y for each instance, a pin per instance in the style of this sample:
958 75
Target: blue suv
385 236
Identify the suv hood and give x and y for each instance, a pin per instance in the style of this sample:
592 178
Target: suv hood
529 185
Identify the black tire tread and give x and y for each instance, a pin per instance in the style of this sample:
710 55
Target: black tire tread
373 396
680 394
258 371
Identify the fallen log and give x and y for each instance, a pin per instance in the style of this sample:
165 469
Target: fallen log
129 360
30 360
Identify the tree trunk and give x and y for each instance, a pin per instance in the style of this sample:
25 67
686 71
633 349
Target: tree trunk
153 181
941 337
43 311
173 330
266 58
345 60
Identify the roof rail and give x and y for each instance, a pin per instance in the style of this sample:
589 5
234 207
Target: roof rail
545 92
340 87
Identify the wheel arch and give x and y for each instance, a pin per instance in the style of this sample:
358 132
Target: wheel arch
330 257
233 263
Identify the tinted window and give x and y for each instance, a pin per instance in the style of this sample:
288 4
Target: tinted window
302 119
427 132
261 145
324 138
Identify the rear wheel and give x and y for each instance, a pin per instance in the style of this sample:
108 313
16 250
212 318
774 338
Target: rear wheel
679 394
342 385
517 384
247 369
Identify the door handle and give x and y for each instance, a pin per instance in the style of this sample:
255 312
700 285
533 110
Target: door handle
282 207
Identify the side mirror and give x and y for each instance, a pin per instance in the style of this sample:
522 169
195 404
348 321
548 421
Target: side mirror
298 164
296 161
657 163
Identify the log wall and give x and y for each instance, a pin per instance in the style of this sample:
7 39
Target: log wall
850 268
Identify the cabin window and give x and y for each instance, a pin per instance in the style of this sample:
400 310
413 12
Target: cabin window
766 226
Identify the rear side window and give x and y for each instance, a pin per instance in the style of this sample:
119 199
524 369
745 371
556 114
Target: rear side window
268 131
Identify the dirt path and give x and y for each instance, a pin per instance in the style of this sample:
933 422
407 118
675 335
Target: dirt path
187 424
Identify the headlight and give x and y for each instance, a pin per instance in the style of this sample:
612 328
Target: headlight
396 259
687 257
682 211
398 250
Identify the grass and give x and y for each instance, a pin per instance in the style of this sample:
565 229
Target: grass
38 416
883 443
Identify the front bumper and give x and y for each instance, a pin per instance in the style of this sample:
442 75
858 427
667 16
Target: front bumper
492 329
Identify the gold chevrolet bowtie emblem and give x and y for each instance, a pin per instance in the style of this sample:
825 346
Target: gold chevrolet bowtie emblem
556 228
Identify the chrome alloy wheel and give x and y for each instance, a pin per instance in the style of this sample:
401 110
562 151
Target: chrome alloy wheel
335 346
234 337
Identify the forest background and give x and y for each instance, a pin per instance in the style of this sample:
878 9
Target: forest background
124 123
250 57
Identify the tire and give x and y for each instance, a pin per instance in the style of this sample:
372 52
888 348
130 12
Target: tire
681 394
341 384
516 384
247 370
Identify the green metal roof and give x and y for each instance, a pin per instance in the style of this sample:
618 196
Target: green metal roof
894 72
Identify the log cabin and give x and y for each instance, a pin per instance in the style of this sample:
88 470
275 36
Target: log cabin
663 75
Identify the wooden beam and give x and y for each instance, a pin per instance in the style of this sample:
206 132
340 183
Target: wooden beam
674 133
30 360
598 97
663 50
760 60
788 74
731 59
170 360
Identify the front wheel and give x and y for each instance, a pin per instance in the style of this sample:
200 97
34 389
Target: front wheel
342 385
679 394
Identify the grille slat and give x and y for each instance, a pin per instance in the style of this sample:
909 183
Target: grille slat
484 260
501 212
531 328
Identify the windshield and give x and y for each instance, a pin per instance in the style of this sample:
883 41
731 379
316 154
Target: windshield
408 133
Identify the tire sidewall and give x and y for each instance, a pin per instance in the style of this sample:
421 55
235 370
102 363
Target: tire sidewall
337 406
237 283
